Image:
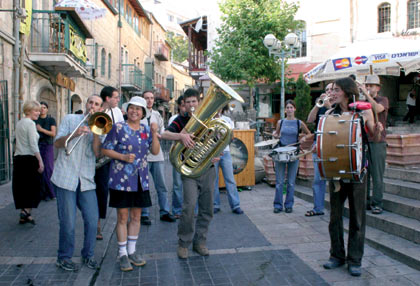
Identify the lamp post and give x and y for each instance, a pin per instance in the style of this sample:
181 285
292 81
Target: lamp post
278 49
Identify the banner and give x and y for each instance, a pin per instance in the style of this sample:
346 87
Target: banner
77 45
25 24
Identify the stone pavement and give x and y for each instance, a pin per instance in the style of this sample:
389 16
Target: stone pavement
258 248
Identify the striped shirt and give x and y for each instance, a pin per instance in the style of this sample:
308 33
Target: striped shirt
80 165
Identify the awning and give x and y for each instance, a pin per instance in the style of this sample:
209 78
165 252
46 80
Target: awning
380 56
299 68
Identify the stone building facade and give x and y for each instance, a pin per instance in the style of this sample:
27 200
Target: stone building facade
65 59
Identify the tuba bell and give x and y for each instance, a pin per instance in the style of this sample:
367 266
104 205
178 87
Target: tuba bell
211 136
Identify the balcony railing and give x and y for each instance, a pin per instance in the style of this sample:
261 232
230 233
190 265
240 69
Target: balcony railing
161 51
56 32
162 92
132 77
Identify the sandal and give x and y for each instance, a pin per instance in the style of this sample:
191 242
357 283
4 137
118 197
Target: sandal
312 213
376 210
99 234
27 217
22 219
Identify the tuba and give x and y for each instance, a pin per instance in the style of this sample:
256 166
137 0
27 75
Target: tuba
211 136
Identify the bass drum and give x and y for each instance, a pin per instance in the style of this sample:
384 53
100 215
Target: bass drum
339 147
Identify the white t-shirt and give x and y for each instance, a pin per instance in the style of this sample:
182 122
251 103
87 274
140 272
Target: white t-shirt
230 123
411 101
116 115
154 116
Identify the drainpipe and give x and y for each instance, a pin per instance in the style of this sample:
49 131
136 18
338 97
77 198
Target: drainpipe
16 55
119 47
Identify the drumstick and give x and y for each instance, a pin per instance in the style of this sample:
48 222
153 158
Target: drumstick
303 154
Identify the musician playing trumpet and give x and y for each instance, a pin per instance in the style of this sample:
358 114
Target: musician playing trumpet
288 130
346 92
319 186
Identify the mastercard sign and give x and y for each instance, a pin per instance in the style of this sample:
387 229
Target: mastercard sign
340 64
360 60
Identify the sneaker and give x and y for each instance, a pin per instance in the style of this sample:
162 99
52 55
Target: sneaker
125 264
145 220
201 249
355 270
66 264
90 263
238 211
136 259
333 263
277 210
182 252
289 210
167 217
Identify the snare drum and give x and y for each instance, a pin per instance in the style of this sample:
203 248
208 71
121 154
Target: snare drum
284 154
339 147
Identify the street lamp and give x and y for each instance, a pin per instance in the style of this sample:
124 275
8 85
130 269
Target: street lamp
277 49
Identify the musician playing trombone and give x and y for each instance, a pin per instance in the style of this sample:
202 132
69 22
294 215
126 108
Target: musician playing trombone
75 186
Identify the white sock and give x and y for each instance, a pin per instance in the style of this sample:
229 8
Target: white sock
122 248
131 246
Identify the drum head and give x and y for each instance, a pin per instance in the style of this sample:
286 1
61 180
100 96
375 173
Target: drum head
286 149
358 149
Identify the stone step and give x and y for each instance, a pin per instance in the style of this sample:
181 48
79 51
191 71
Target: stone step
396 247
392 223
403 206
402 188
407 175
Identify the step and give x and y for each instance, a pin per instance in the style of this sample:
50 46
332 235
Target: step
404 174
395 224
410 190
396 247
408 206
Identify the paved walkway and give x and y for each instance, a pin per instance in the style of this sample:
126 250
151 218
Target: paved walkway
258 248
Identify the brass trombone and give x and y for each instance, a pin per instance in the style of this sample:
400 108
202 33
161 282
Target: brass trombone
99 123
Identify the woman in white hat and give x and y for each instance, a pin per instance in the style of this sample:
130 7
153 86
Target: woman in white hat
128 144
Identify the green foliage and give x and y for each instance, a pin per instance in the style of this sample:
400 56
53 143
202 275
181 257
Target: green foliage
179 47
239 52
303 99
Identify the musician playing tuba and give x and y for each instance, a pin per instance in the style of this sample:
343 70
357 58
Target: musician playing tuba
193 188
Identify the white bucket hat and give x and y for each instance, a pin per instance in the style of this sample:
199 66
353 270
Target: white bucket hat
136 100
373 79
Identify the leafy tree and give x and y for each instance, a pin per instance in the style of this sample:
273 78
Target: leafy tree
303 98
239 52
179 47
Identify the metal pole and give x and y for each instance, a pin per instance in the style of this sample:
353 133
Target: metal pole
16 54
282 86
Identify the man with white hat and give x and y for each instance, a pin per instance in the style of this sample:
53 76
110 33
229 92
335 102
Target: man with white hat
377 150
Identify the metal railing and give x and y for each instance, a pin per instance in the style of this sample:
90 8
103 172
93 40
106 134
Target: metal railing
161 51
162 92
51 33
132 75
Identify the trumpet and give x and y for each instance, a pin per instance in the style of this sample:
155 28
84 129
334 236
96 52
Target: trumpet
321 101
99 123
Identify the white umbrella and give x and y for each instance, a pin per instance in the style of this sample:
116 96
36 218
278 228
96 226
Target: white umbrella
86 9
380 56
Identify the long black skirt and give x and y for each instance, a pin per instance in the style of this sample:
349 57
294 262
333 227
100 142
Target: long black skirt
26 182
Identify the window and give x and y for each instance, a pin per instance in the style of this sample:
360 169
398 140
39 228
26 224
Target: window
301 33
109 65
384 18
170 18
103 55
413 14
